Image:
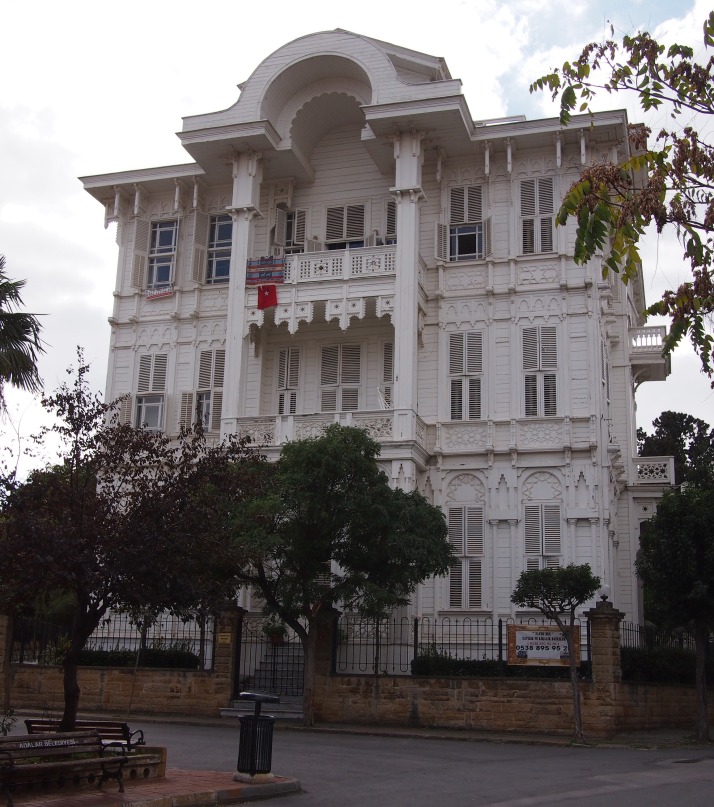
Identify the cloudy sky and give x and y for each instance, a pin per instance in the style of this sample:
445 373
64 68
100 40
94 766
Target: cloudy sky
90 88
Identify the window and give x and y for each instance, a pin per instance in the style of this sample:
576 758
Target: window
162 253
467 236
288 380
542 535
340 378
209 393
465 368
540 354
290 230
219 249
537 215
150 391
465 575
344 227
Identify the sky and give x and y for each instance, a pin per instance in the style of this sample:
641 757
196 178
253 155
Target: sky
90 88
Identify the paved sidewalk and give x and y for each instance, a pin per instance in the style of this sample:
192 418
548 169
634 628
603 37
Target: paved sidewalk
178 789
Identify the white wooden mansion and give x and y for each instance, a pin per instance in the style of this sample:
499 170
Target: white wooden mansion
427 297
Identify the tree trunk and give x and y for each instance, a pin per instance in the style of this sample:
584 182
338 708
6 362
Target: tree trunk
575 687
71 693
309 647
701 640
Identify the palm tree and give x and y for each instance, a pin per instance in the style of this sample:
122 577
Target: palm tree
20 343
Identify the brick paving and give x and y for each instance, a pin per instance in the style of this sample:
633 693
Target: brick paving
177 789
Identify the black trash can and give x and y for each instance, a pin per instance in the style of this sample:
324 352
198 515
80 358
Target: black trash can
255 746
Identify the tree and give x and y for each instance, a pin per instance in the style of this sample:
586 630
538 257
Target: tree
613 204
328 530
676 564
686 438
20 343
111 526
555 592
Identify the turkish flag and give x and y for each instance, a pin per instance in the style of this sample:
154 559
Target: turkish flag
267 296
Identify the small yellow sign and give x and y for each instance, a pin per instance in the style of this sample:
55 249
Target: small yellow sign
541 645
224 638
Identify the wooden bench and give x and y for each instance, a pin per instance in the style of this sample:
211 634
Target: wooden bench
59 759
111 731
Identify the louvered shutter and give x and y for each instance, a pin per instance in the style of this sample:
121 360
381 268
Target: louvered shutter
205 369
532 530
219 367
144 383
335 226
388 371
457 205
441 242
530 349
475 592
158 381
201 229
187 413
474 531
455 524
530 386
288 380
551 529
281 222
125 410
474 398
456 584
216 410
487 247
456 353
142 232
350 377
354 228
548 347
457 399
474 209
528 212
550 397
545 210
474 352
300 227
329 369
391 230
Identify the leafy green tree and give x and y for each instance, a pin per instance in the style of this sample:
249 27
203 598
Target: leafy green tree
557 592
329 531
111 527
686 438
20 343
670 185
676 564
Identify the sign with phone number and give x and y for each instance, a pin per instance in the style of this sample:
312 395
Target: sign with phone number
541 645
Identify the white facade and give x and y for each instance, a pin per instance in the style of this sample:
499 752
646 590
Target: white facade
428 297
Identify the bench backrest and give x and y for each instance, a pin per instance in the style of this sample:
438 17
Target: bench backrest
109 729
16 750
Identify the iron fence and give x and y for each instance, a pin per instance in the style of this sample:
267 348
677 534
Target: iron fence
646 637
36 641
388 646
268 664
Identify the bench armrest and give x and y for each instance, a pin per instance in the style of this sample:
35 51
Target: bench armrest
116 745
139 734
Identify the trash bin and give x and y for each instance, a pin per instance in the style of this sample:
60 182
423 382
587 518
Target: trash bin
255 745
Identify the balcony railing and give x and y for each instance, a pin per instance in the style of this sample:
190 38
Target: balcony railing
340 264
654 470
648 363
648 340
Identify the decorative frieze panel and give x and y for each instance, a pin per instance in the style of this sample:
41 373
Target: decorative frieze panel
344 310
293 314
532 307
464 312
312 427
379 428
385 305
543 486
530 274
464 437
261 432
462 278
160 337
540 434
465 488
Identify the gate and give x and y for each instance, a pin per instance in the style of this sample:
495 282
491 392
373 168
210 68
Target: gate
267 664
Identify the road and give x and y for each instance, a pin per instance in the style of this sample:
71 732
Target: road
345 770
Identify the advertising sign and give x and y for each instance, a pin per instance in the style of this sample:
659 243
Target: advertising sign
541 645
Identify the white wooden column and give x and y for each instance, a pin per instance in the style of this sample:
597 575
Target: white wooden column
247 175
407 191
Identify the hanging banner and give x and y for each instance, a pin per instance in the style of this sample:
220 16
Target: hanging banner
260 271
541 645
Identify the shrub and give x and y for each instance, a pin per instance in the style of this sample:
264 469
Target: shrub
660 665
164 656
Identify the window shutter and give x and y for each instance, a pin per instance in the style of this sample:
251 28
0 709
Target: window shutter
186 411
548 347
125 410
293 376
487 248
219 367
388 371
532 563
391 231
205 369
550 398
530 349
474 398
456 353
329 365
528 197
475 586
335 227
457 398
456 584
201 227
530 383
474 210
300 227
144 383
158 382
546 234
457 207
142 231
474 531
350 373
355 222
216 410
545 196
441 242
551 529
474 352
455 525
281 221
532 531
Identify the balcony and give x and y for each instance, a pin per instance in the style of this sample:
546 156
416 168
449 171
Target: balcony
654 470
648 363
340 264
